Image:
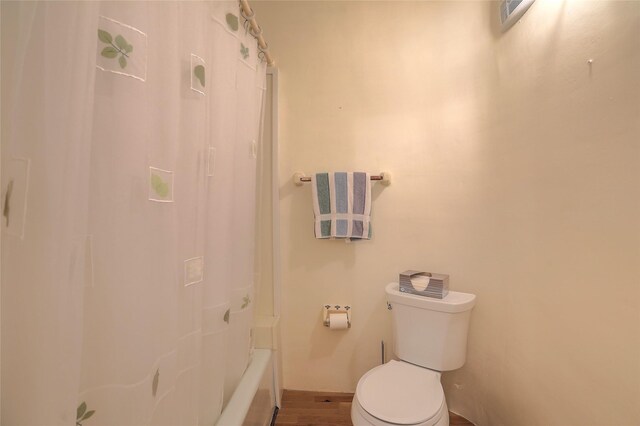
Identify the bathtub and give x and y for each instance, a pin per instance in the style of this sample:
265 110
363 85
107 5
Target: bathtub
253 401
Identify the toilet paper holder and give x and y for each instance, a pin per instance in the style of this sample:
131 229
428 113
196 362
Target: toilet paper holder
335 309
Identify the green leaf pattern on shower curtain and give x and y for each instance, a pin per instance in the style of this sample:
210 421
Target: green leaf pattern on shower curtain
198 71
232 21
244 50
104 36
245 301
159 186
82 414
154 385
121 47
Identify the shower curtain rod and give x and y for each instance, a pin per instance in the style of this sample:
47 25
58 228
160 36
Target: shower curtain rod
256 31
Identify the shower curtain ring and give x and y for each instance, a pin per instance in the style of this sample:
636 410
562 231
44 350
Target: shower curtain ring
245 16
254 32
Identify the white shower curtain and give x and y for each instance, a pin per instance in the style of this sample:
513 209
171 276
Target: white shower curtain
127 249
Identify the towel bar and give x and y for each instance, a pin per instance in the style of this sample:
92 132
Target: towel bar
299 178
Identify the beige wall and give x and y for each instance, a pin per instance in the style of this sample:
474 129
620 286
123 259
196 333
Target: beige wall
516 169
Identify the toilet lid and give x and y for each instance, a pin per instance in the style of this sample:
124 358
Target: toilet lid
400 393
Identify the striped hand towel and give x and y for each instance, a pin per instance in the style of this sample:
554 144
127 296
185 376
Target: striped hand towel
342 205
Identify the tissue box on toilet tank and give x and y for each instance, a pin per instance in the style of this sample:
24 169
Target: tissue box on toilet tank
424 284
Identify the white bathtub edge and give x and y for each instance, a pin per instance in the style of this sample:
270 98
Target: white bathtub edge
236 410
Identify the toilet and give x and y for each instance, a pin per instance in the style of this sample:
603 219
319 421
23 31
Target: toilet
430 337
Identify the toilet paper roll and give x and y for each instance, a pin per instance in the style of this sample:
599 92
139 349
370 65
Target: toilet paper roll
338 321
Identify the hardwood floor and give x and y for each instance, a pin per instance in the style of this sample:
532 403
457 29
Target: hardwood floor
303 408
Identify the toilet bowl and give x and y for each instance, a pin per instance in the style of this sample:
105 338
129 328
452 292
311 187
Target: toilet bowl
430 337
399 393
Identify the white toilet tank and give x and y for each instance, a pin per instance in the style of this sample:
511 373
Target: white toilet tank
430 332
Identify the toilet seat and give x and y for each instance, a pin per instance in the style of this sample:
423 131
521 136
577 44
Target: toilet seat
402 394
